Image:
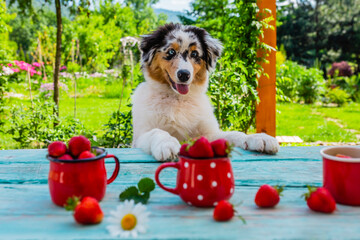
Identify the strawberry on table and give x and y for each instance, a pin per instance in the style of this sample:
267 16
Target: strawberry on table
201 148
221 147
224 211
87 211
320 200
86 154
268 196
57 149
78 145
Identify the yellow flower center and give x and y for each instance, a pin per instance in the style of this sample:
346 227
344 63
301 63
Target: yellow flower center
128 222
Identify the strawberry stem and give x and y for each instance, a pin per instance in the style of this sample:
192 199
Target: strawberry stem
242 219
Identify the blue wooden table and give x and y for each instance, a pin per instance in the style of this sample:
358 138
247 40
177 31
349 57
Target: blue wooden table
26 211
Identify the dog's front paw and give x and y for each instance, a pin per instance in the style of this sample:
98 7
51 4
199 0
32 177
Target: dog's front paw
262 142
166 149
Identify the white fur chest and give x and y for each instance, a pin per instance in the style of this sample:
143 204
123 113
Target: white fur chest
157 106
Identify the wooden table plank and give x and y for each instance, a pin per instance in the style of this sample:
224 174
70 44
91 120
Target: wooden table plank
170 218
246 173
135 155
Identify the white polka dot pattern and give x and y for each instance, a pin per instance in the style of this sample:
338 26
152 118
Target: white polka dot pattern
186 164
212 165
229 175
200 197
214 184
185 186
199 177
231 190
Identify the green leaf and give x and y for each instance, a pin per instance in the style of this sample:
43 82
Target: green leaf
71 203
129 193
146 185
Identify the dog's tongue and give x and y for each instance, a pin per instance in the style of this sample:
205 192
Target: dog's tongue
182 88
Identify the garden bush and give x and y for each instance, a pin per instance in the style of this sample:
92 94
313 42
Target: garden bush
299 83
341 69
337 96
37 125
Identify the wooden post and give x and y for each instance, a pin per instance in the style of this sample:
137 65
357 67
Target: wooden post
266 109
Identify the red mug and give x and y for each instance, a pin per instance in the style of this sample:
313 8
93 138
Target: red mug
80 177
201 182
342 175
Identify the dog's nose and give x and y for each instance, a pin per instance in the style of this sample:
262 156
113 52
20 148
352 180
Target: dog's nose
183 75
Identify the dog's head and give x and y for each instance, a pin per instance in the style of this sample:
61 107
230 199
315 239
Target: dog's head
179 55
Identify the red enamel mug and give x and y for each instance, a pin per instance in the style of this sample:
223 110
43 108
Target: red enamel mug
80 177
342 175
201 182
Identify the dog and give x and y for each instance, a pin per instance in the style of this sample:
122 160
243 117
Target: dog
171 105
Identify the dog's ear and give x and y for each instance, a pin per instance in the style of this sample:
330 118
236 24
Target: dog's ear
152 42
214 49
211 47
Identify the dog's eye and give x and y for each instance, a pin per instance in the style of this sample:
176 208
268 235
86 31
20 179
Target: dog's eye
194 54
171 52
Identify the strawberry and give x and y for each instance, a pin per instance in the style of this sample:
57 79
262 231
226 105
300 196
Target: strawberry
221 147
320 200
201 148
86 154
87 211
78 145
268 196
66 157
57 149
342 156
183 150
224 211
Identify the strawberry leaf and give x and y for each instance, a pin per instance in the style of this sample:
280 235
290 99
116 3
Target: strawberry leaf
129 193
146 185
71 203
142 195
279 189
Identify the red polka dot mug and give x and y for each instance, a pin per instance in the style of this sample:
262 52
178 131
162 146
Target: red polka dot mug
201 182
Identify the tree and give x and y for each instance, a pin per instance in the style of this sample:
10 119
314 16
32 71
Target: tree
25 8
320 31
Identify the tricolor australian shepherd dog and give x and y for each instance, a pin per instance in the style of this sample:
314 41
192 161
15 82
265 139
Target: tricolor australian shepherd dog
171 105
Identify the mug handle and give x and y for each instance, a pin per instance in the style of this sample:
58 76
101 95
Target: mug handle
116 170
157 173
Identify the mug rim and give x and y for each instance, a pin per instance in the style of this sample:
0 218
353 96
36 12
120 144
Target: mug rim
100 156
339 159
202 159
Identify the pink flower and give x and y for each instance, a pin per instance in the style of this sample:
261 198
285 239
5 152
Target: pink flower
15 70
38 73
36 64
63 68
10 65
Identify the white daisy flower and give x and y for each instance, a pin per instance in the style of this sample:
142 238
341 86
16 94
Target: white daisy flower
128 220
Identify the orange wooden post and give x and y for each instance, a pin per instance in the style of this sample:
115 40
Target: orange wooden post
266 109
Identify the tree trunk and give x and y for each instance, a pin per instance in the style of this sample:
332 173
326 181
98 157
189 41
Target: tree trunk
58 55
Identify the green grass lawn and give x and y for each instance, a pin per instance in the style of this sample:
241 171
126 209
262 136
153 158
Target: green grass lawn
310 124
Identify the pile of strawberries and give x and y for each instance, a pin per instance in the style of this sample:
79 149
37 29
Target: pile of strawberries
87 211
79 148
202 148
